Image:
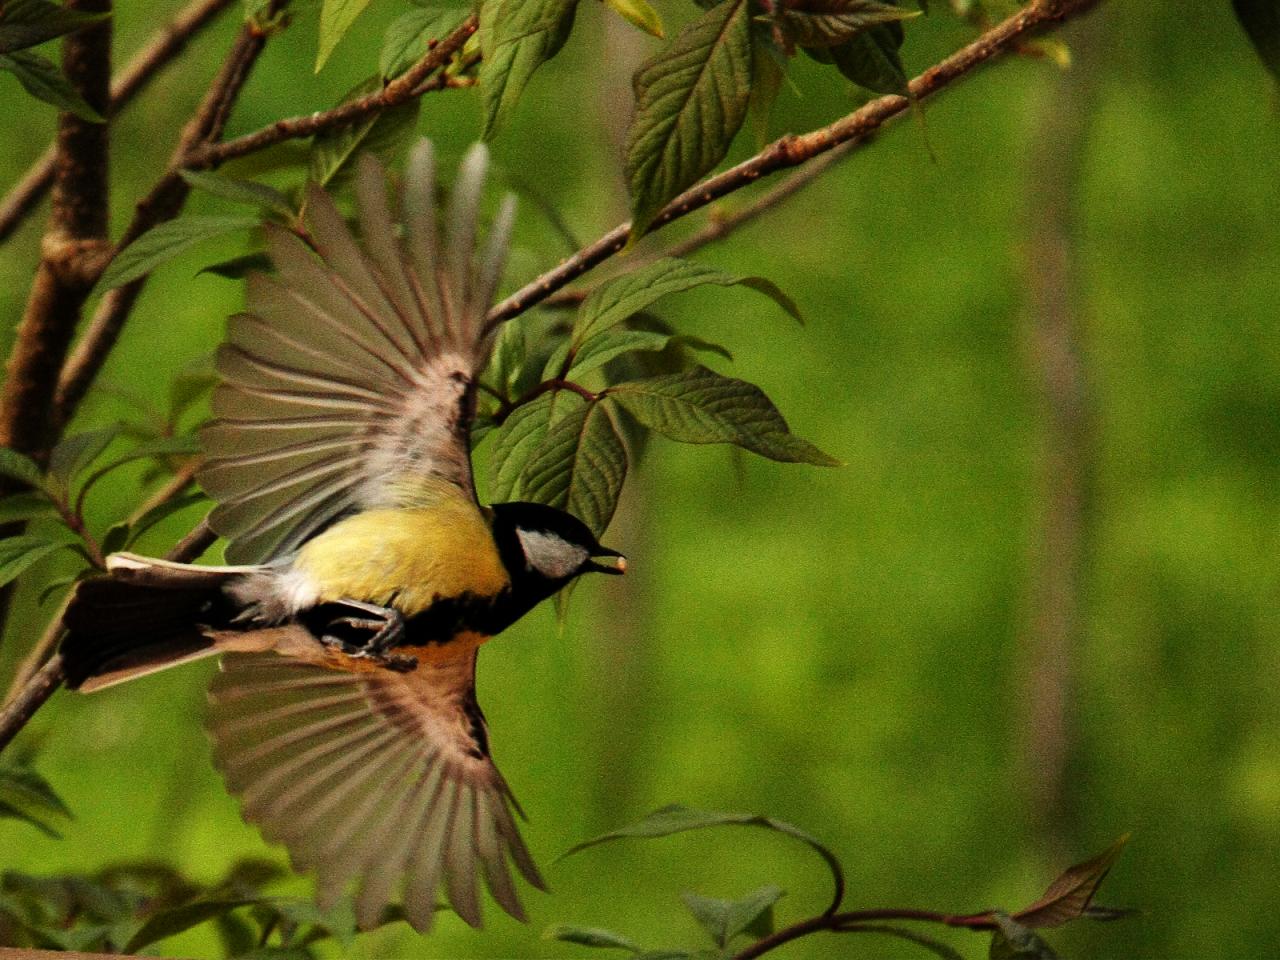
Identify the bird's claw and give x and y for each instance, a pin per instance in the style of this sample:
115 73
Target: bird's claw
363 631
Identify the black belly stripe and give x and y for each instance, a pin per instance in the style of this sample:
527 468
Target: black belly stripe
449 616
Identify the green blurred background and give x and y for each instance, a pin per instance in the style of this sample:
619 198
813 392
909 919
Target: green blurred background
845 649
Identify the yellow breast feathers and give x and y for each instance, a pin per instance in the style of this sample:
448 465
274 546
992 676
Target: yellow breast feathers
406 557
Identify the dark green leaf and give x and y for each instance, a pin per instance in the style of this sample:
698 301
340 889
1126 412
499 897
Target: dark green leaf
639 13
1012 941
27 796
76 452
1261 21
161 244
31 505
19 553
409 36
237 268
155 515
691 100
517 438
615 300
175 920
601 349
725 919
1069 896
936 947
18 466
56 586
386 134
579 467
701 406
828 23
525 34
26 23
336 18
43 80
589 937
241 191
195 380
871 60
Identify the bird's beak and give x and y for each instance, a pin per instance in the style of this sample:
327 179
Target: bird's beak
617 569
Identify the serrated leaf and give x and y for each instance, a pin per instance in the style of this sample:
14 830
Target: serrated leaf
161 244
18 466
27 23
519 435
701 406
691 100
385 134
45 81
175 920
241 191
725 919
615 300
828 23
871 60
675 818
20 507
1261 22
1012 941
336 18
589 937
73 454
27 796
1071 893
19 553
580 467
519 37
639 13
409 37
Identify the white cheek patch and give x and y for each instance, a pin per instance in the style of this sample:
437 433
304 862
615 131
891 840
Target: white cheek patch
549 555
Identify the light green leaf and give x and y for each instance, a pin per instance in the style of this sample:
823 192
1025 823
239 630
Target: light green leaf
828 23
409 37
18 466
614 301
520 37
640 13
1261 22
76 452
27 23
691 100
336 18
20 507
589 937
871 60
725 919
701 406
579 467
19 553
386 134
43 80
27 796
167 241
513 442
241 191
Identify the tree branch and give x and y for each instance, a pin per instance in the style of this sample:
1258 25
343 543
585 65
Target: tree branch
165 45
854 130
850 921
408 85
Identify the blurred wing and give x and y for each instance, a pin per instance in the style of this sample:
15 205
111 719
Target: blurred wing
380 778
355 368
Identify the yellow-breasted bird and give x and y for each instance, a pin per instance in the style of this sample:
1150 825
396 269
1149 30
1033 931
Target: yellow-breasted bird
344 714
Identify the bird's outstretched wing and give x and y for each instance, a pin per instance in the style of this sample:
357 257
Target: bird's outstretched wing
354 365
378 777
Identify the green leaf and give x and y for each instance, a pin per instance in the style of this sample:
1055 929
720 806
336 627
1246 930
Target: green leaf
1070 895
27 796
26 23
520 434
525 34
871 60
385 134
614 301
31 505
601 349
1261 22
18 553
156 514
73 454
675 818
1012 941
336 18
18 466
725 919
639 13
828 23
701 406
167 241
241 191
43 80
691 100
589 937
239 267
175 920
579 467
409 37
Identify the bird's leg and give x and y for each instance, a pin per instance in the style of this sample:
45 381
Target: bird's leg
363 630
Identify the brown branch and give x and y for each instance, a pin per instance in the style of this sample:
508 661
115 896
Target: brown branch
408 85
855 129
165 45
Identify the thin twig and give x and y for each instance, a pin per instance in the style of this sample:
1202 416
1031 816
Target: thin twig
164 46
847 922
856 129
402 89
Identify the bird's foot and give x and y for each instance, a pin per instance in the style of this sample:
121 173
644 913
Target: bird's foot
364 631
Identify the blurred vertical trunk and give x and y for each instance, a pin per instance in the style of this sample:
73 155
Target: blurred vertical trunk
1058 368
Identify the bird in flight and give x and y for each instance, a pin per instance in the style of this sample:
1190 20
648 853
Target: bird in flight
366 573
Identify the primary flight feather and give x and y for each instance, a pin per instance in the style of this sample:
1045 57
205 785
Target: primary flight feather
367 574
